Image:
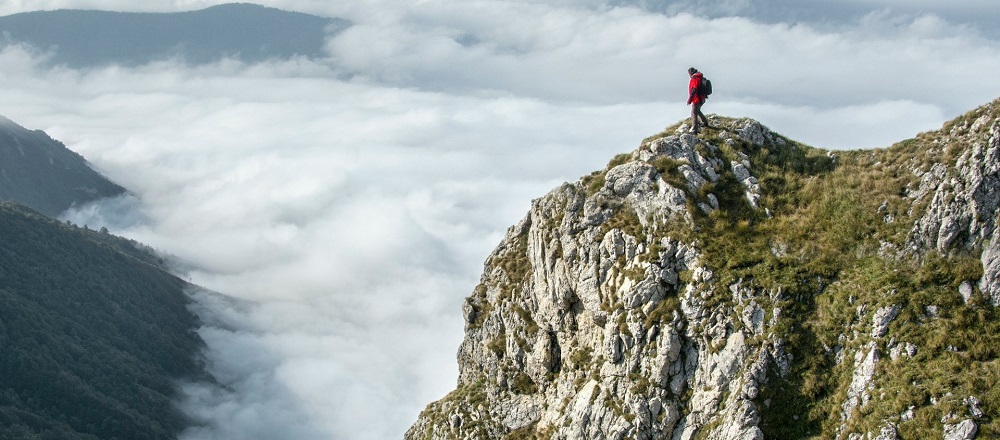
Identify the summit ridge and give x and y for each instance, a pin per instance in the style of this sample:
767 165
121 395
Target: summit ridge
741 285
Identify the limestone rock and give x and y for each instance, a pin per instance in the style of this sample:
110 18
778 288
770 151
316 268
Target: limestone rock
964 430
963 204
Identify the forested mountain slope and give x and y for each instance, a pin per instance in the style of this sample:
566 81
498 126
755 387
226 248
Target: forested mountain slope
740 285
94 334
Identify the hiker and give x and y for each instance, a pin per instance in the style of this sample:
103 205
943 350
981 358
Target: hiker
696 99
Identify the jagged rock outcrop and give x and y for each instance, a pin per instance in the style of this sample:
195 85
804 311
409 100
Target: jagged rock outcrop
251 33
963 199
739 285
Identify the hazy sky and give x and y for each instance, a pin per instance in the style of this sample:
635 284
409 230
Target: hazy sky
352 201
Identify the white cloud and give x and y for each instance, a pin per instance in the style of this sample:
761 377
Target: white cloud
356 216
354 200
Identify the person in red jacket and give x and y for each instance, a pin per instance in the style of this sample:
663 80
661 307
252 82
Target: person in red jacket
696 99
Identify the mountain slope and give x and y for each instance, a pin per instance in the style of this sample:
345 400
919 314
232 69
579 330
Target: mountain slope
252 33
739 285
43 174
94 334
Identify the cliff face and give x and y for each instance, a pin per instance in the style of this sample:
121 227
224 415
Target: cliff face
739 285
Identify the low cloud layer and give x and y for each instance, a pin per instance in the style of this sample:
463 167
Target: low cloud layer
346 205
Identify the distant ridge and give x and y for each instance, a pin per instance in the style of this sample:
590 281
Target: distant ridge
41 173
251 33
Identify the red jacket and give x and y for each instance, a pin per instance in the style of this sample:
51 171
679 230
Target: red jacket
693 96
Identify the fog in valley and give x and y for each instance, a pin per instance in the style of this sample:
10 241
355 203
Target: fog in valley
343 206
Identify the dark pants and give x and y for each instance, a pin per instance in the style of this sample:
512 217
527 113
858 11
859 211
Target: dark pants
696 114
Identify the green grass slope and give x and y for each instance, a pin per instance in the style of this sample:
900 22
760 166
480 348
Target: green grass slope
830 235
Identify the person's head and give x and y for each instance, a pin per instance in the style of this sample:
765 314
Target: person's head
692 71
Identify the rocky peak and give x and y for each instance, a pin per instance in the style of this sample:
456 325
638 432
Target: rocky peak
716 286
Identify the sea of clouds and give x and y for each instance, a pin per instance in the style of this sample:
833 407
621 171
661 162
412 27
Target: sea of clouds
343 207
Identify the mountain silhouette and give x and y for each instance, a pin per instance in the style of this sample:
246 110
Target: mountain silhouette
41 173
250 33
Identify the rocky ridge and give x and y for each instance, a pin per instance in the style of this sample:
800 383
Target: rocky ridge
739 285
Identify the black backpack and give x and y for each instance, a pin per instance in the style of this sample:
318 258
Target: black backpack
705 88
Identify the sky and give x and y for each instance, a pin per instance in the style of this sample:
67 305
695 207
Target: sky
337 211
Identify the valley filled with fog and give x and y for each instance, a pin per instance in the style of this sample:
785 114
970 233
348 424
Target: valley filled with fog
345 204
